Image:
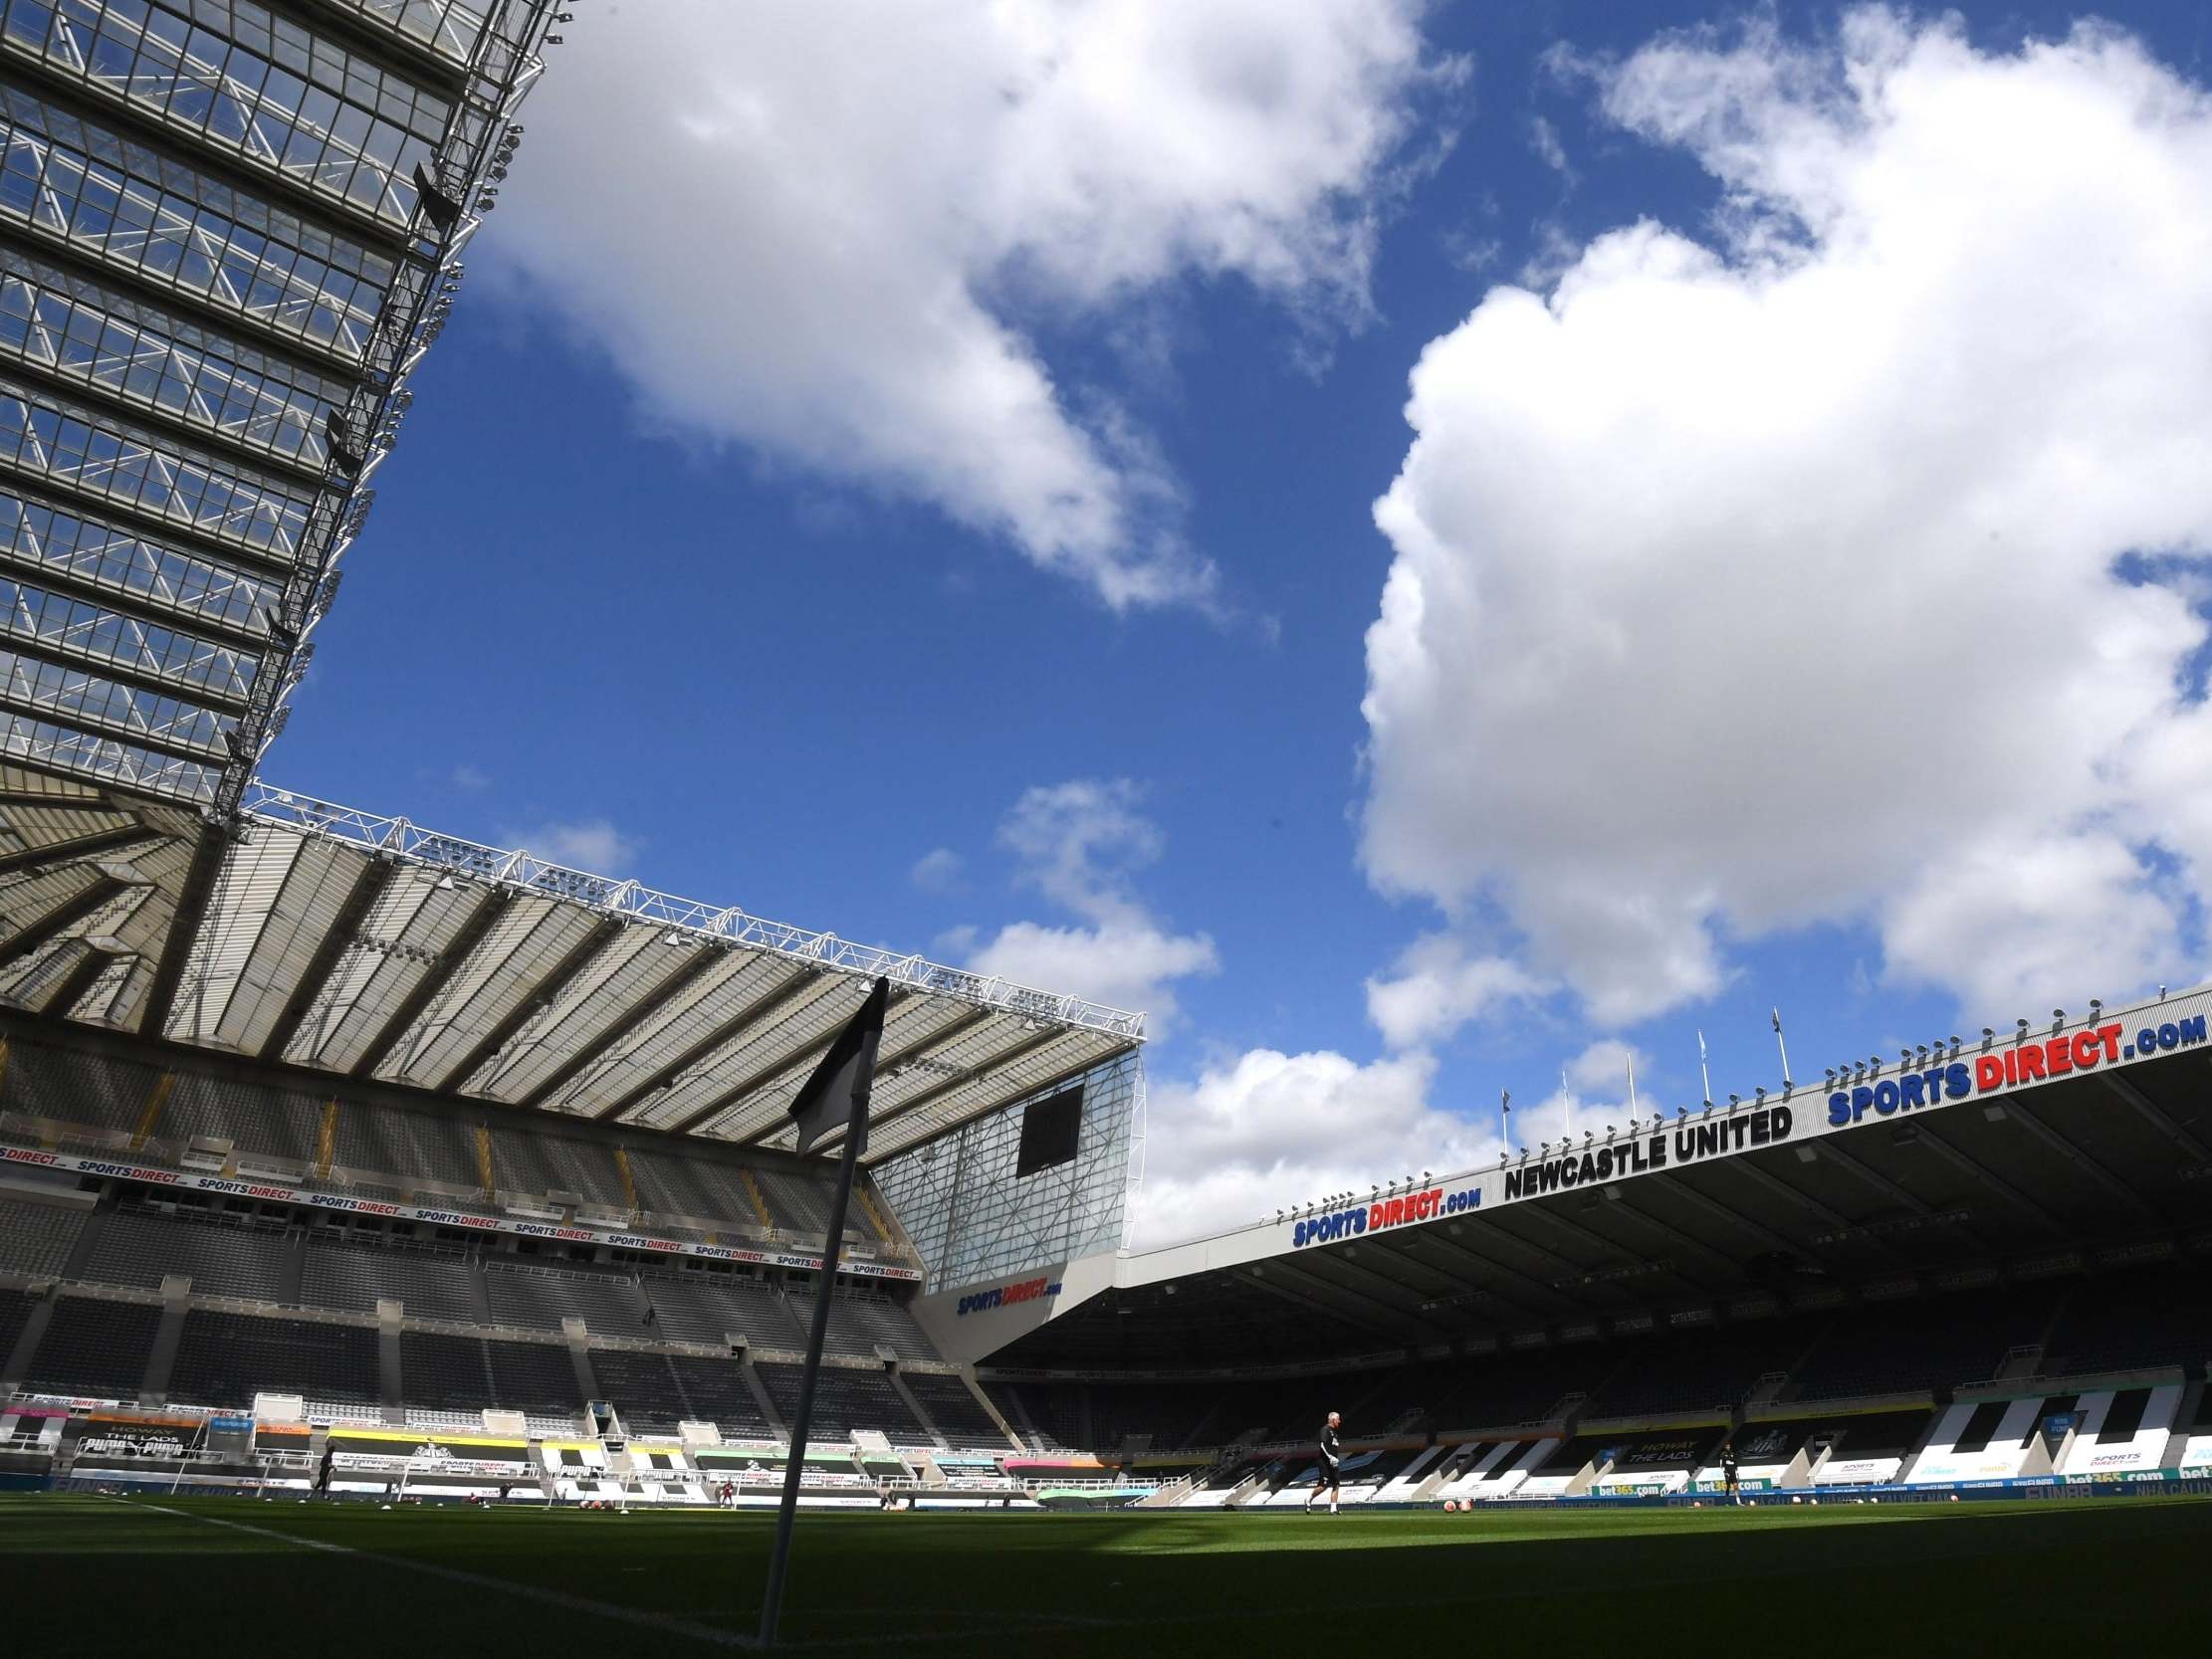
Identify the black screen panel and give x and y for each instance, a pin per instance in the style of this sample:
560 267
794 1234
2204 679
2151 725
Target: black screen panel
1051 1129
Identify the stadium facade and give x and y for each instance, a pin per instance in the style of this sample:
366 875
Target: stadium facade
373 1141
338 1151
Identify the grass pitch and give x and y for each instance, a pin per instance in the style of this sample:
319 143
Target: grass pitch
235 1578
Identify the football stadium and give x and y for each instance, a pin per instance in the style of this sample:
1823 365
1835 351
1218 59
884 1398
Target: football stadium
410 1241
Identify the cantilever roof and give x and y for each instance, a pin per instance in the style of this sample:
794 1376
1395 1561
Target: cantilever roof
367 947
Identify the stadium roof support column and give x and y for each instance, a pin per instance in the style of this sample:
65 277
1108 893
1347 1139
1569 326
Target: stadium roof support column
1317 1268
885 1067
450 962
1814 1207
85 846
2017 1111
368 887
1427 1238
1681 1188
2156 1116
1020 1051
94 801
654 1001
61 917
1988 1178
184 928
91 965
1549 1214
1303 1291
1888 1188
757 1009
604 934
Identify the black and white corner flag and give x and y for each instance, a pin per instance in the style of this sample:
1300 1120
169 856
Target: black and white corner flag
838 1094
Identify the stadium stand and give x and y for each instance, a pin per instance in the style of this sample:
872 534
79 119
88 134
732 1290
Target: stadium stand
95 1348
718 1393
36 1238
1697 1369
1933 1343
226 1359
445 1373
1492 1390
355 1274
642 1387
844 1400
668 1184
533 1376
954 1409
15 1314
281 1123
531 1163
2118 1321
222 1255
399 1146
539 1298
795 1204
704 1306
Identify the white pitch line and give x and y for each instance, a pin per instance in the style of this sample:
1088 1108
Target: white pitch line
478 1580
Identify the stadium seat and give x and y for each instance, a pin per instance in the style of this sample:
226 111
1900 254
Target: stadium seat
35 1238
95 1348
224 1360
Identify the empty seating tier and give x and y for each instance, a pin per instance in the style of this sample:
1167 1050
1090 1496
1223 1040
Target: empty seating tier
227 1358
541 1298
843 1401
95 1347
221 1256
444 1373
2125 1321
703 1307
1936 1343
533 1376
642 1387
718 1395
953 1409
274 1124
428 1284
36 1238
15 1314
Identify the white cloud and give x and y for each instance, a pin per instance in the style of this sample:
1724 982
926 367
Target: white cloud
1602 1069
936 870
2017 924
1543 139
1266 1129
472 778
1269 1130
819 228
1080 844
1123 965
1745 583
1435 987
592 845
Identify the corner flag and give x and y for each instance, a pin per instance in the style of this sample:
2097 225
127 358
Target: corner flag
834 1098
837 1093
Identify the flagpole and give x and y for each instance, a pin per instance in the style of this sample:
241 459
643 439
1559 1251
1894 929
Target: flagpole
1506 1118
1568 1095
1783 1047
1632 1086
779 1554
1702 1071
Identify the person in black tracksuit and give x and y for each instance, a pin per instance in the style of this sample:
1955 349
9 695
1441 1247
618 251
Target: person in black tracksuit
1325 1474
1728 1471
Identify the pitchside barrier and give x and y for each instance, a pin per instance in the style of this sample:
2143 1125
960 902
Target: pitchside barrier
2162 1483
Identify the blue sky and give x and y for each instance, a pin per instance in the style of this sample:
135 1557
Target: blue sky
941 508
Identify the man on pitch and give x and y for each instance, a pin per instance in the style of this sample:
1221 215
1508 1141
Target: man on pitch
1325 1475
